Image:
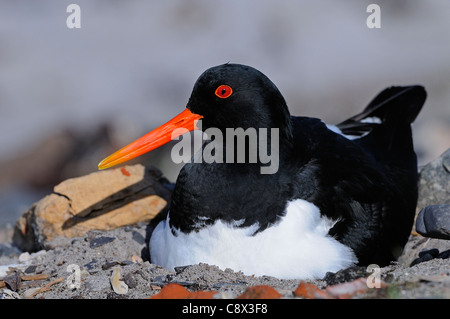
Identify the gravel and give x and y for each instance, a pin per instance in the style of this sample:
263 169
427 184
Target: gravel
83 267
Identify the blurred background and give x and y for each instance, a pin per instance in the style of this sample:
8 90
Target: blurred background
70 97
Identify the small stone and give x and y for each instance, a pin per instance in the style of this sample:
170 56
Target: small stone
345 275
100 241
117 283
130 280
159 280
260 292
109 264
427 257
90 265
444 254
419 260
137 237
176 291
30 269
13 281
432 252
310 291
434 221
180 269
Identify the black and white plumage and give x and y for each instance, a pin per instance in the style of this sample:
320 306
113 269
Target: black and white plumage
342 195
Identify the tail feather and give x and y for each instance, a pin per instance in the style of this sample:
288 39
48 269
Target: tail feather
397 104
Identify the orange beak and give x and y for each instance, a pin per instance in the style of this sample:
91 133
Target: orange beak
156 138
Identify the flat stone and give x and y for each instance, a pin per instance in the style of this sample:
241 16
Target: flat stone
102 200
13 281
432 252
100 241
434 221
137 237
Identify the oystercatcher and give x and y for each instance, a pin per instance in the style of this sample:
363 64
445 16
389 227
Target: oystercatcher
342 195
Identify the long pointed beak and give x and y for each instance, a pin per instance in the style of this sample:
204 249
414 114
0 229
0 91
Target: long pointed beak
156 138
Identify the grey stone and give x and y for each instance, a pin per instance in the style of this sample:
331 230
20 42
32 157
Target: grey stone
434 221
434 182
100 241
434 189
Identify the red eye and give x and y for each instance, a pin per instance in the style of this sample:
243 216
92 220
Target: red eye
223 91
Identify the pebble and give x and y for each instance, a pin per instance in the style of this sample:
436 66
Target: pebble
429 254
444 254
159 280
137 237
91 265
109 264
432 252
117 283
260 292
30 269
130 280
180 269
100 241
13 281
176 291
434 221
345 275
9 294
310 291
126 262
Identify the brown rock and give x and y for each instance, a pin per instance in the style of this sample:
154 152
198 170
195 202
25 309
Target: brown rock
310 291
176 291
350 289
102 200
260 292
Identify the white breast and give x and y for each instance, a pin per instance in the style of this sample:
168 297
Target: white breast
296 247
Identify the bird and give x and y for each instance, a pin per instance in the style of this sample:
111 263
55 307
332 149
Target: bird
341 195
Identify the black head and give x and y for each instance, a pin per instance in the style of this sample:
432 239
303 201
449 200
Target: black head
235 95
226 96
